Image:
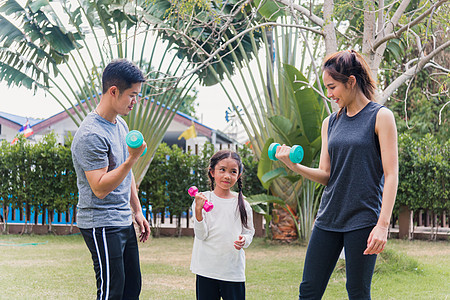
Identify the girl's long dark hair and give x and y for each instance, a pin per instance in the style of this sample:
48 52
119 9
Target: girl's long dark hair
218 156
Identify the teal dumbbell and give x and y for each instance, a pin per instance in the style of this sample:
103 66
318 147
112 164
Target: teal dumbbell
296 154
135 139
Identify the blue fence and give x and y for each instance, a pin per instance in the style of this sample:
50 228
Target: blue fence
20 216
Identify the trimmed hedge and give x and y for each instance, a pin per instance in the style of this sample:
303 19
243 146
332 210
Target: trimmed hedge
424 174
41 176
172 172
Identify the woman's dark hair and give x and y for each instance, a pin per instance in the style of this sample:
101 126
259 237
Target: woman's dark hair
341 65
218 156
122 74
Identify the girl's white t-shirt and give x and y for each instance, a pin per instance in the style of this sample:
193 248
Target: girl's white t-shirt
213 254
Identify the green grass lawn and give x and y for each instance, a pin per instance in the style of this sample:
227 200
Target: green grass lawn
60 267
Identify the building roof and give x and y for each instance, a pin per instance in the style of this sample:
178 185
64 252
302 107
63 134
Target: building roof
15 122
18 121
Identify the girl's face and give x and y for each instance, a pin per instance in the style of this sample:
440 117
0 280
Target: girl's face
337 91
225 173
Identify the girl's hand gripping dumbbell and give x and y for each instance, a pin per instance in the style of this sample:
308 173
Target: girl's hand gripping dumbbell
207 206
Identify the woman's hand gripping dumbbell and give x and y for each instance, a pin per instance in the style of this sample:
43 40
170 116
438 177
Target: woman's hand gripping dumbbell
207 206
135 139
295 154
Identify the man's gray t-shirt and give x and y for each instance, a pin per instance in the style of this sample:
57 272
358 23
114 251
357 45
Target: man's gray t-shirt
97 144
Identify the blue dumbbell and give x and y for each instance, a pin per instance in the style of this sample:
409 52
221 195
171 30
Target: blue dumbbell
135 139
296 154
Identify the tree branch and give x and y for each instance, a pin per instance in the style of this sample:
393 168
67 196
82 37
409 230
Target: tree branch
223 46
304 11
392 35
380 14
409 73
440 112
397 15
369 31
433 64
328 28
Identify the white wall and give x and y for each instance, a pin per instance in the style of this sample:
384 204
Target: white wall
60 129
8 133
195 145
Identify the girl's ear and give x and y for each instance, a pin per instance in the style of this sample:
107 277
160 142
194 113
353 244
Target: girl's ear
211 172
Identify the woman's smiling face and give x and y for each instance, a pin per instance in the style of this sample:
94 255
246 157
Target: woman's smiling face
336 90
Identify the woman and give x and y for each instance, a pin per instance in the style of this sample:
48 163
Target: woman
359 166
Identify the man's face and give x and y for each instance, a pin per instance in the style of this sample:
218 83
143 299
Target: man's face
125 101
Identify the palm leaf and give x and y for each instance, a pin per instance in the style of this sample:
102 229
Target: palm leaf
8 32
40 49
13 76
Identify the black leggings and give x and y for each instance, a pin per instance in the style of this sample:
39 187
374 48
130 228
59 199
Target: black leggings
115 256
323 252
213 289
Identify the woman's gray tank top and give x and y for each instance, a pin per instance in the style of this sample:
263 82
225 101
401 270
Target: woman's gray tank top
352 198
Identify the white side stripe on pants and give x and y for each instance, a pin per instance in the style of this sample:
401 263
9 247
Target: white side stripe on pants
100 263
107 263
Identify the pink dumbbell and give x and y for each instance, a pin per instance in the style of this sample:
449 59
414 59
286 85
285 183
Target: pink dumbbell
193 190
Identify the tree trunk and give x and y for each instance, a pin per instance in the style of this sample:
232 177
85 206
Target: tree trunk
72 219
25 225
435 228
404 222
50 220
156 225
187 218
179 230
5 218
282 225
328 28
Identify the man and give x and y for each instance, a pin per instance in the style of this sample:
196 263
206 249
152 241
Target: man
107 186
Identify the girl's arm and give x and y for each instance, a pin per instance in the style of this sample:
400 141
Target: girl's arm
321 174
386 130
246 236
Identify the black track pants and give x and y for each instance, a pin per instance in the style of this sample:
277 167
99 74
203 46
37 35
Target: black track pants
116 261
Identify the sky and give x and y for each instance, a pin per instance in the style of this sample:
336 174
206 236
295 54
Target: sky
212 101
21 101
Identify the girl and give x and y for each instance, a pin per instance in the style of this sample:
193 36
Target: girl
218 257
359 166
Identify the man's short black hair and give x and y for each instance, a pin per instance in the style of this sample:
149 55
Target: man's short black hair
122 74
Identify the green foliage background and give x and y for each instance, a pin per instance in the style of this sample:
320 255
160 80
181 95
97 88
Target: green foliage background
424 173
172 172
41 176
